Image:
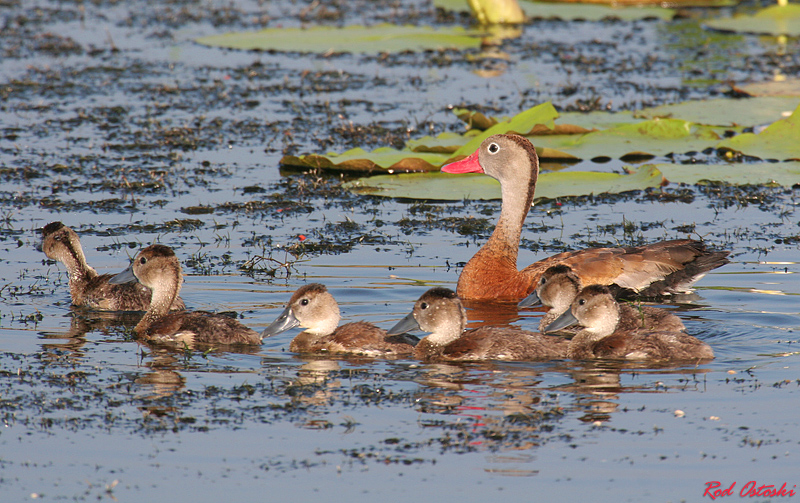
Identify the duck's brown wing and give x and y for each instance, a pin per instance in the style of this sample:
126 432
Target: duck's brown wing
637 317
98 293
490 343
363 338
201 327
662 345
658 268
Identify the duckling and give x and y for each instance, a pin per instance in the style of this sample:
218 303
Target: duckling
439 311
312 307
157 268
86 287
559 286
606 334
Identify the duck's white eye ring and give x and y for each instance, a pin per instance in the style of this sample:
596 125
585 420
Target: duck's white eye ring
493 148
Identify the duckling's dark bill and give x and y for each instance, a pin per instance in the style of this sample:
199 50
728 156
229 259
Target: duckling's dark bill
404 325
530 300
565 320
284 322
125 276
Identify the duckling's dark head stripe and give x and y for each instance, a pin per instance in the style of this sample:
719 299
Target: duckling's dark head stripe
51 228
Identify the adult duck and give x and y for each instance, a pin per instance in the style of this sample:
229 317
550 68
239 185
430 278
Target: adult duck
440 312
313 308
87 287
606 333
157 268
492 272
559 285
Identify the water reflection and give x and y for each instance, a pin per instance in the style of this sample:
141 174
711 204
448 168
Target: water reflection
494 313
82 321
502 408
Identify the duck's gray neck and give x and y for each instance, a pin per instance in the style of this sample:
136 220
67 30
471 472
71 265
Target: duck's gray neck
517 196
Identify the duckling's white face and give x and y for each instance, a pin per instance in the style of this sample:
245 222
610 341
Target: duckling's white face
596 311
445 318
157 270
558 290
316 310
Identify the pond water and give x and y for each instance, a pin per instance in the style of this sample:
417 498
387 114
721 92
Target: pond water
154 142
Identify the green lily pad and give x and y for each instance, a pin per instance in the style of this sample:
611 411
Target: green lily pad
446 142
592 11
643 139
572 11
597 120
360 161
774 20
522 123
449 143
787 87
745 112
780 140
360 39
476 120
786 174
443 186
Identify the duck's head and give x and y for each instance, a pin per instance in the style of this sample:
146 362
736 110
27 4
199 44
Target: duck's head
557 288
594 308
311 307
156 267
501 156
439 311
59 241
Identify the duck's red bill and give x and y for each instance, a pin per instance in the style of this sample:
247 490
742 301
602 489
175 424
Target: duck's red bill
468 164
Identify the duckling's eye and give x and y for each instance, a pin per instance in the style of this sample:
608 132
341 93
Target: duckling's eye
424 305
543 280
582 302
143 260
304 302
493 148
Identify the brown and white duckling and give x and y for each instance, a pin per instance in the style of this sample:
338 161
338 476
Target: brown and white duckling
559 286
86 287
157 268
439 311
605 334
313 308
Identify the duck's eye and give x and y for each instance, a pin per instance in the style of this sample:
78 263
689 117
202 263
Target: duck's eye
543 280
582 302
304 302
493 148
143 260
424 305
